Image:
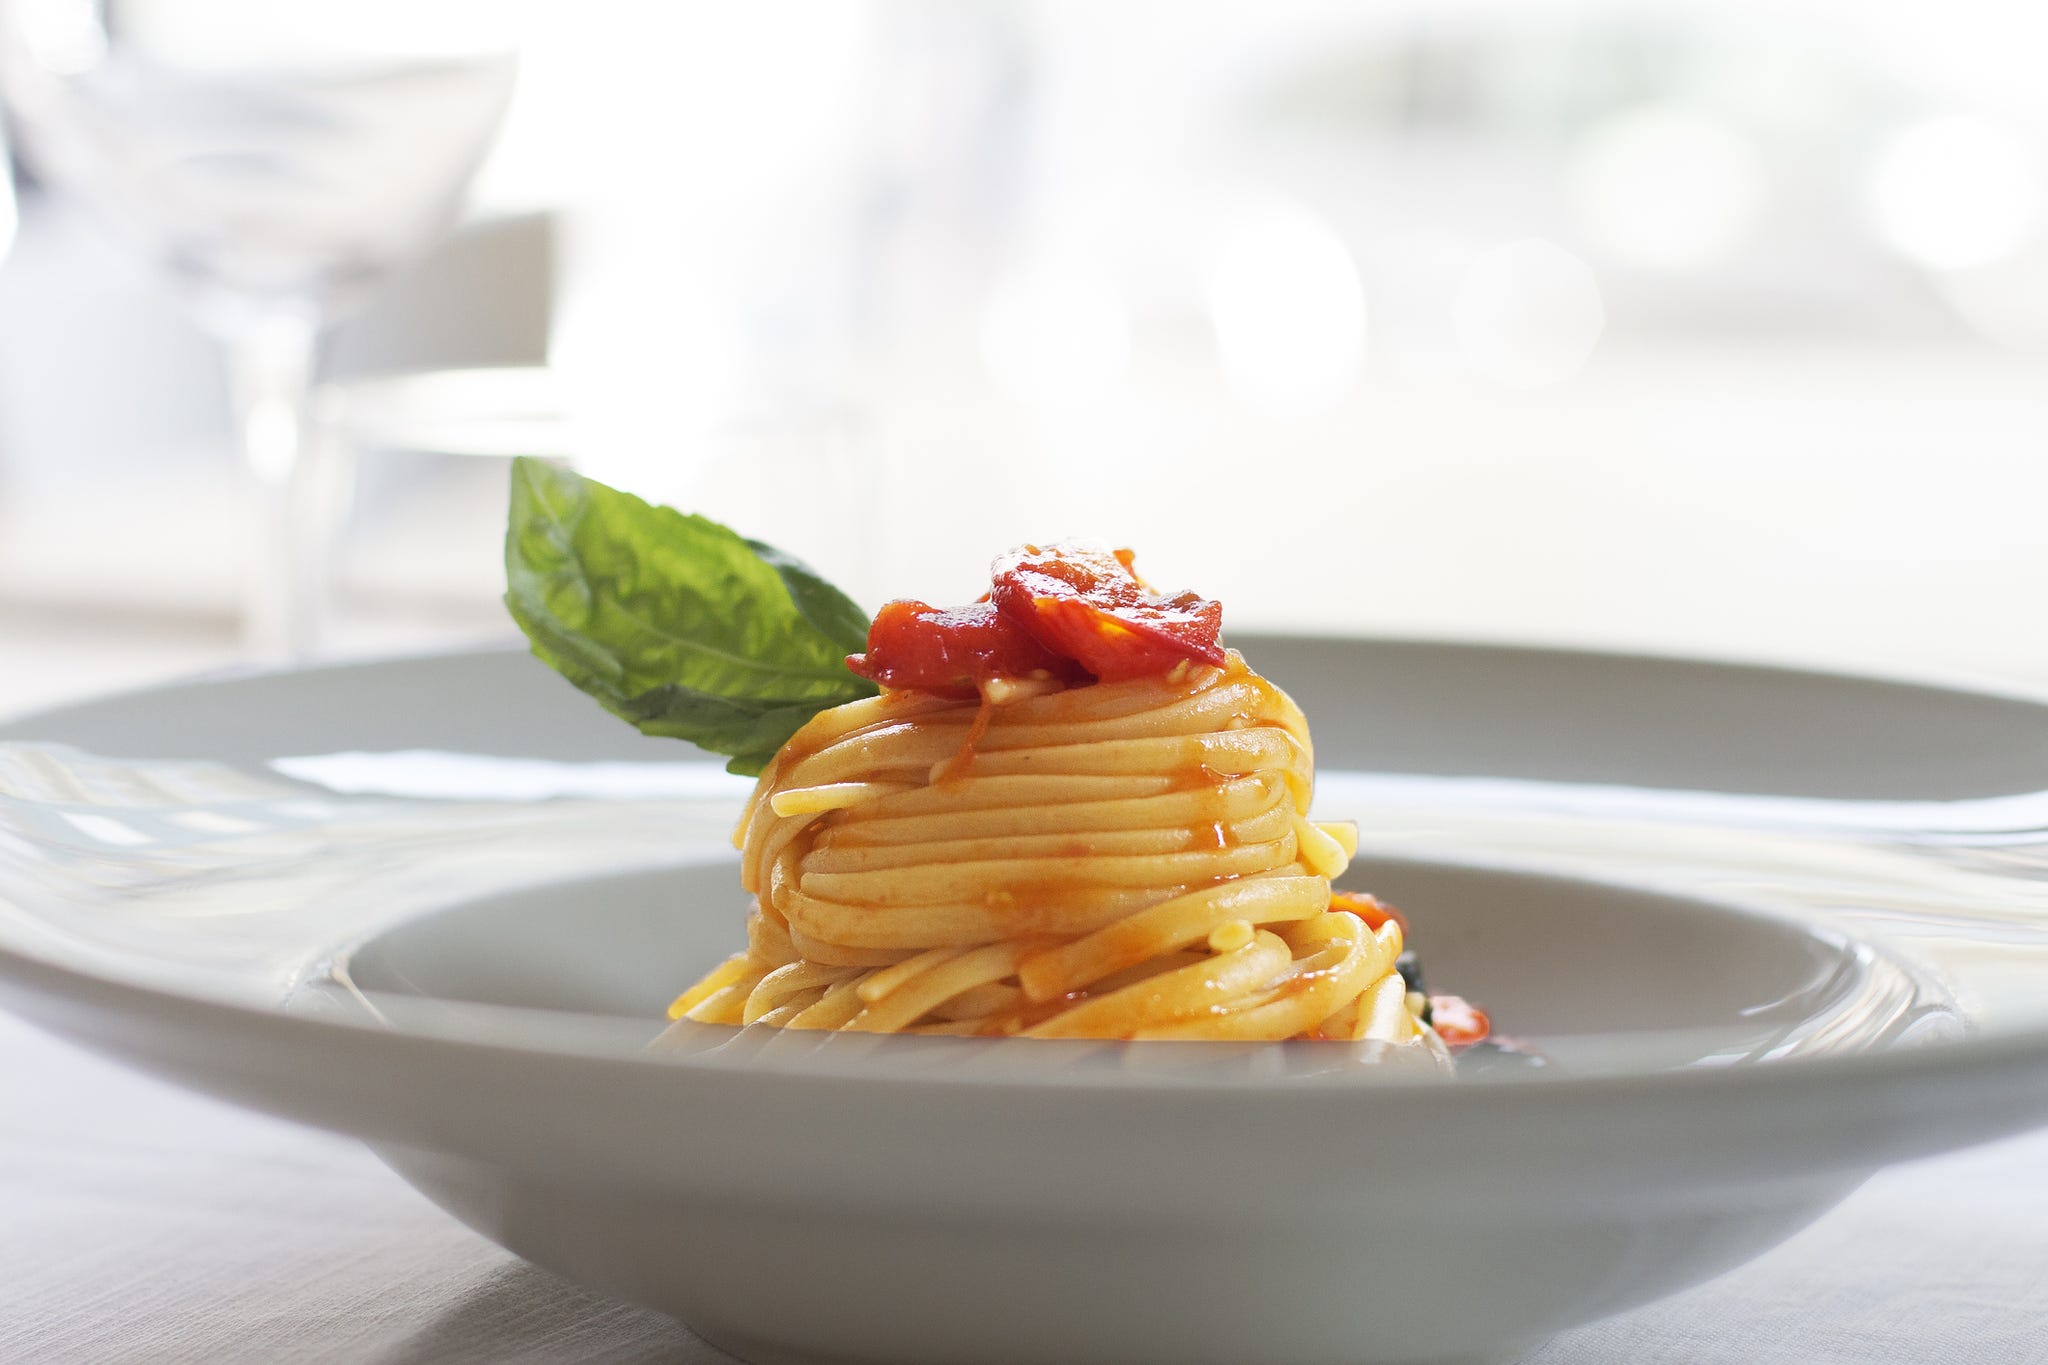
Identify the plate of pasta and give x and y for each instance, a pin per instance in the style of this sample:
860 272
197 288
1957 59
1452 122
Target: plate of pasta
1053 977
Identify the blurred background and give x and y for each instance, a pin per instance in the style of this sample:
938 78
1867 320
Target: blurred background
1716 328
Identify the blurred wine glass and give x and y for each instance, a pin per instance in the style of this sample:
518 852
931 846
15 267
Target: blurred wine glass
275 159
7 213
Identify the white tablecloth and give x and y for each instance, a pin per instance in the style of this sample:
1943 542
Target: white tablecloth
140 1223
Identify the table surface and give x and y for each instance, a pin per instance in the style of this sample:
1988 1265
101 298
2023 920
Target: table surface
139 1222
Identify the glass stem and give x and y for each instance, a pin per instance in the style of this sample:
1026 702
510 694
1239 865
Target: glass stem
270 361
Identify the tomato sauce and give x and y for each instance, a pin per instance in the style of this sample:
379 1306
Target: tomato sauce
1372 910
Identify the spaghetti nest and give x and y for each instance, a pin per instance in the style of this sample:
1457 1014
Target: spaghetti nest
1122 860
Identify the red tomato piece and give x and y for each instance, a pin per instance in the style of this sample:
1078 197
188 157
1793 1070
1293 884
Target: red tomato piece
1088 605
1371 909
1457 1021
950 650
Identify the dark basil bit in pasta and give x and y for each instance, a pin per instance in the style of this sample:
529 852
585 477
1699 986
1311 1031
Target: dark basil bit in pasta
1410 968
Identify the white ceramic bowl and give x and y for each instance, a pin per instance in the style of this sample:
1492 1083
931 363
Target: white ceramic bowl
1772 929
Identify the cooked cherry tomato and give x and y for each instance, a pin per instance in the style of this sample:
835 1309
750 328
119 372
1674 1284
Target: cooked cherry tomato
1457 1021
950 650
1371 909
1064 611
1087 605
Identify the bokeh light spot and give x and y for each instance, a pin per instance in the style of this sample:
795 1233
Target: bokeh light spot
1956 191
1288 311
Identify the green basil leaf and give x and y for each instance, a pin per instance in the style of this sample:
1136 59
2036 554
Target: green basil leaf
674 622
831 611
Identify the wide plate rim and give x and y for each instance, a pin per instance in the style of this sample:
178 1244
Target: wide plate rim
1959 683
1976 1054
